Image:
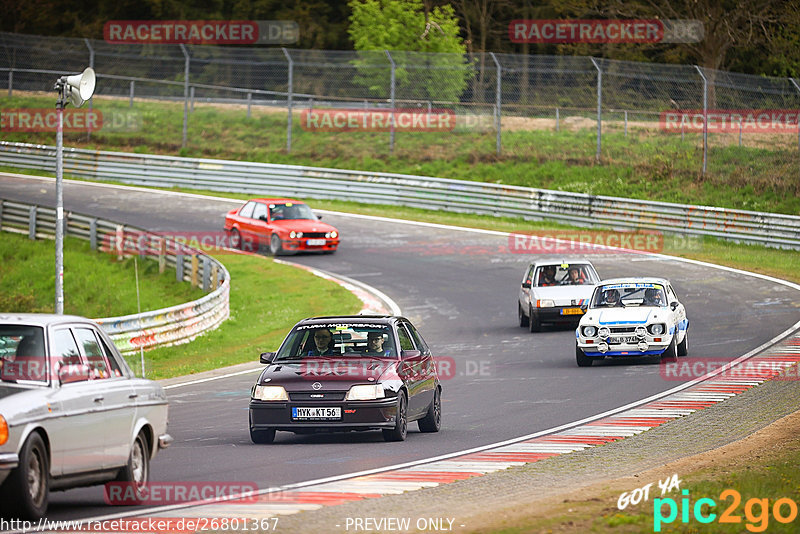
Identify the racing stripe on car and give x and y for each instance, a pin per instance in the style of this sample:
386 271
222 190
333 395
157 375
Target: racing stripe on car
605 430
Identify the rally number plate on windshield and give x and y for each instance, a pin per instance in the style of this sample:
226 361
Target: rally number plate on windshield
316 414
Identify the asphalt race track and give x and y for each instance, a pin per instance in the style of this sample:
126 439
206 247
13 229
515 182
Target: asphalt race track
460 289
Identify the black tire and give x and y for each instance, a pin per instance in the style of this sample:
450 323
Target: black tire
236 239
432 421
398 433
582 359
523 319
137 471
26 490
534 324
262 436
671 354
683 346
275 245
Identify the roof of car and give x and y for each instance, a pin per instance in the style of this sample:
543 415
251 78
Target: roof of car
40 319
277 200
559 261
354 319
635 280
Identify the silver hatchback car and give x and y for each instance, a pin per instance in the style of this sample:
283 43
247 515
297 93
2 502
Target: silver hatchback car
71 412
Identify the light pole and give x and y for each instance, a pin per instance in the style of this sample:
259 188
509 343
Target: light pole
75 90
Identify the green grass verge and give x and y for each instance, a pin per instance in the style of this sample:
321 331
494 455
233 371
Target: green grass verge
763 476
95 283
646 164
266 300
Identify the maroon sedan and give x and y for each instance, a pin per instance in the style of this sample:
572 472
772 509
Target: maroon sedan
285 225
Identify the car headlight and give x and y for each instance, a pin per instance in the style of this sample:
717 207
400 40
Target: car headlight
589 331
604 332
331 235
270 393
657 329
365 392
294 234
546 303
3 430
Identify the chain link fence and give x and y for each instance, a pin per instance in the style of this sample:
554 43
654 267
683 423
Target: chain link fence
483 107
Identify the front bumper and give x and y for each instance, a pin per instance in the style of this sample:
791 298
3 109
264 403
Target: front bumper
8 461
558 314
301 245
360 415
164 441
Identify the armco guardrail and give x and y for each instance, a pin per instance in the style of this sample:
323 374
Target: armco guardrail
168 326
438 193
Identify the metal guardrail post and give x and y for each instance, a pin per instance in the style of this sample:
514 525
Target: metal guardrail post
206 278
133 83
705 117
32 223
249 103
289 100
498 101
179 267
798 126
599 108
391 93
185 94
93 234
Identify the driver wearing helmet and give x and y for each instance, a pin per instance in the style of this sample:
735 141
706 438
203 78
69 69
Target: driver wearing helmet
653 297
611 297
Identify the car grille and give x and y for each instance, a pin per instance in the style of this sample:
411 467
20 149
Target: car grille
622 329
313 234
314 396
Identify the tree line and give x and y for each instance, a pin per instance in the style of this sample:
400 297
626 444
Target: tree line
749 36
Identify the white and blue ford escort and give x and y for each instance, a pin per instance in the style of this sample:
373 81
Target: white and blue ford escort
631 317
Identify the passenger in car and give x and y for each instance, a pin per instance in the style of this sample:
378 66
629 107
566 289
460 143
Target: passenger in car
375 342
547 276
653 297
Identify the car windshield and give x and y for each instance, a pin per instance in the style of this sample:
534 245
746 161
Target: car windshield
22 355
562 274
290 210
337 340
629 294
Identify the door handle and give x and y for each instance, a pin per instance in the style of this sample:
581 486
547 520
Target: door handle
99 399
133 395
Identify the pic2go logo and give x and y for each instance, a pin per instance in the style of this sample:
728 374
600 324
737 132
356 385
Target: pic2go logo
756 511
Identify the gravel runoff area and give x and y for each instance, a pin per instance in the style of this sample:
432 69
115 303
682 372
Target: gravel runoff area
480 503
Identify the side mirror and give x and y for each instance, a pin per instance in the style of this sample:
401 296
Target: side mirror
526 284
585 306
409 354
267 357
673 305
262 218
68 374
319 217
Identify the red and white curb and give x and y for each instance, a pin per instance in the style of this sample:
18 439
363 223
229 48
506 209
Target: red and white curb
733 379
